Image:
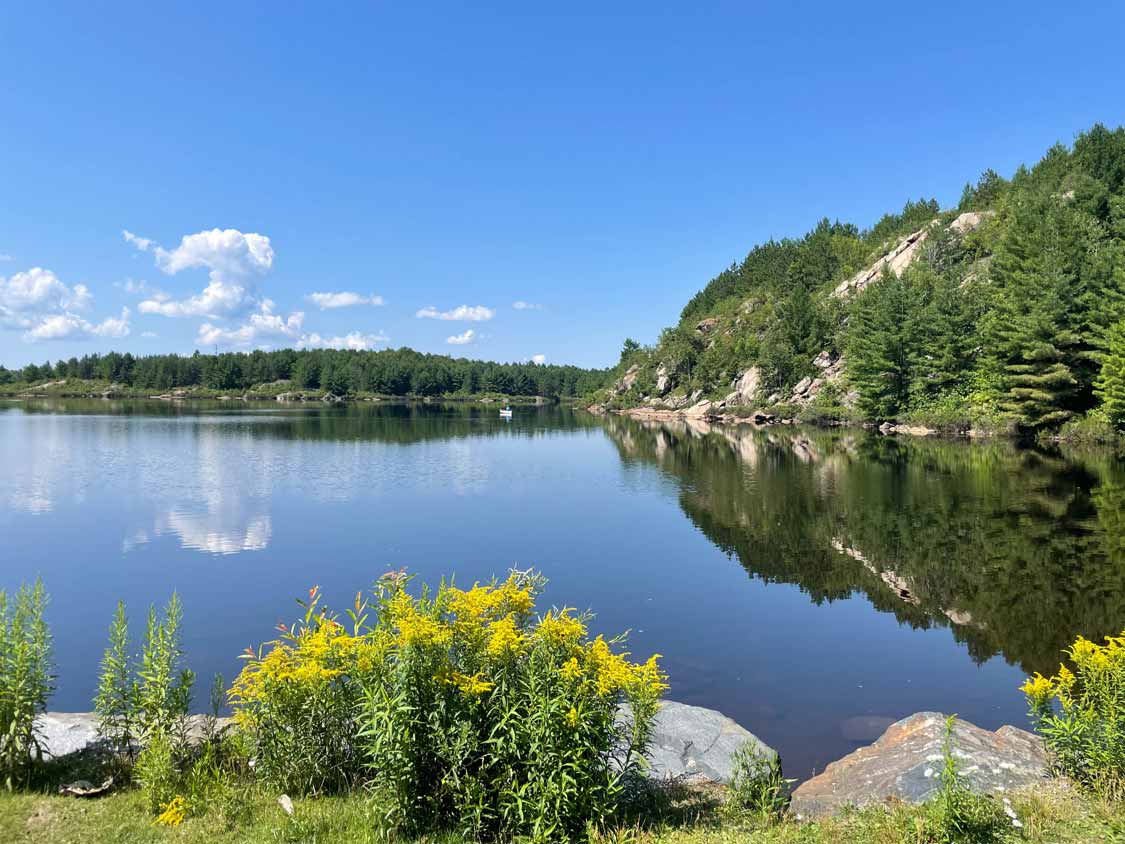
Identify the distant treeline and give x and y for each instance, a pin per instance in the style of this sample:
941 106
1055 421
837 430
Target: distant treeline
395 372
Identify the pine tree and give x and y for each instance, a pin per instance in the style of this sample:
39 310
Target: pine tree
1037 323
881 346
945 332
1111 381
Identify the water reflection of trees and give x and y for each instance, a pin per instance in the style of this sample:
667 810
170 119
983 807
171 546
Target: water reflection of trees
401 423
1016 550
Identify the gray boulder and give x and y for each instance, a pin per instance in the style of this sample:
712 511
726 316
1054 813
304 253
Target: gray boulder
697 742
63 733
747 384
906 762
626 381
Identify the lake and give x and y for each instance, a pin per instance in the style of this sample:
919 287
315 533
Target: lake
813 585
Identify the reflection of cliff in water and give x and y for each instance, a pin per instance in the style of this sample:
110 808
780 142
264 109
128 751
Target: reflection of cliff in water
1015 550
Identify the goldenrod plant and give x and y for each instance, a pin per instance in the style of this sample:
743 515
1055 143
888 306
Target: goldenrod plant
116 700
1080 711
462 709
163 682
26 681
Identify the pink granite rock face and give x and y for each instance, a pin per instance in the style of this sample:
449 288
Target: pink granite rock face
905 763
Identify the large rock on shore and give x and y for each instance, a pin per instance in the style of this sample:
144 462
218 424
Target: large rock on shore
697 742
906 762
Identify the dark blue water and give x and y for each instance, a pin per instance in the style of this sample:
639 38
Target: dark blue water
798 581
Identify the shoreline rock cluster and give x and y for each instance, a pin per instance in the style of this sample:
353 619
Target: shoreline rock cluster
711 413
694 743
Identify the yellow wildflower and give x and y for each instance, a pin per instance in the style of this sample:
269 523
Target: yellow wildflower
561 627
470 684
1082 649
1038 689
649 678
174 812
572 717
418 629
487 603
473 605
570 669
504 637
515 598
611 672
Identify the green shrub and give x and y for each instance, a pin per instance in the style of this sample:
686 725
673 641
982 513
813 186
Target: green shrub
1094 428
116 700
26 681
474 715
139 699
1081 714
147 701
163 684
757 788
958 815
156 772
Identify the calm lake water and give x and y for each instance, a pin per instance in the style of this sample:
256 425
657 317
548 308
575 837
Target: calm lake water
812 585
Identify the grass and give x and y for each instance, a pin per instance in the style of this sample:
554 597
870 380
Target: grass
1054 813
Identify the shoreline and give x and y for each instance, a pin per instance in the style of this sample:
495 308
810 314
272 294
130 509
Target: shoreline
289 397
763 419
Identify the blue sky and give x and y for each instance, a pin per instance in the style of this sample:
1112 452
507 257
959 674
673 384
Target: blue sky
597 161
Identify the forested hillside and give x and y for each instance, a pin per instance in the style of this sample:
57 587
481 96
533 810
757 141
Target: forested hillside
393 372
1004 311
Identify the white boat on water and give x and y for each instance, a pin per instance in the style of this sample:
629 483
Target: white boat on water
506 413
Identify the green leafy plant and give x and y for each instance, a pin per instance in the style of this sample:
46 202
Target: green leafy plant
116 700
957 815
145 702
156 772
163 683
757 788
26 681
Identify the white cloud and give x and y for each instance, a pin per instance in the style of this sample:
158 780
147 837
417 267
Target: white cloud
217 299
149 335
71 326
463 313
233 260
142 288
38 290
45 308
540 359
353 340
142 243
4 256
342 300
263 326
222 251
526 306
462 339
